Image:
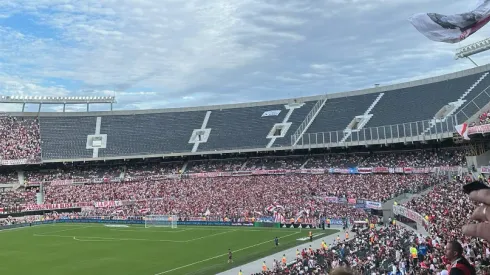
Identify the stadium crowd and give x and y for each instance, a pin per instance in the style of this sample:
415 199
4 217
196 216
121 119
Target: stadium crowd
387 249
234 196
374 250
448 210
19 138
14 198
419 158
74 173
149 170
8 177
484 118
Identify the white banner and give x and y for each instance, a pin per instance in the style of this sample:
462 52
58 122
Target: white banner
373 205
414 216
271 113
104 204
485 169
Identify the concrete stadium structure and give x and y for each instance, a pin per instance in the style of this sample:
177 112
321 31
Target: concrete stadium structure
415 111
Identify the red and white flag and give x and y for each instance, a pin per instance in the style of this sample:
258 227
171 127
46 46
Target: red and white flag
463 130
278 217
452 28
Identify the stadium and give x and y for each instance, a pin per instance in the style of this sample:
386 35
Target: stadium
390 179
102 192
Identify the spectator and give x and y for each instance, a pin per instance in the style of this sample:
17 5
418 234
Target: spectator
341 271
19 139
460 266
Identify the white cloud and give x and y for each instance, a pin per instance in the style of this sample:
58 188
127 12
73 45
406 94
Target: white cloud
181 53
310 75
20 86
319 66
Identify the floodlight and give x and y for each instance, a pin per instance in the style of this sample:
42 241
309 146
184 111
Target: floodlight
472 49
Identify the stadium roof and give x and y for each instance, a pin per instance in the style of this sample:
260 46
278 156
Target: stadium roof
375 89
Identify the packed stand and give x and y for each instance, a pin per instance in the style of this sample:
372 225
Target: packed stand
273 163
241 196
215 165
14 198
151 169
382 250
155 170
74 173
9 177
19 138
448 209
484 118
340 211
372 251
419 158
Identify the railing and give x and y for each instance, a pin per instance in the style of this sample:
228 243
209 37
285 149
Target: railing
318 105
473 106
404 132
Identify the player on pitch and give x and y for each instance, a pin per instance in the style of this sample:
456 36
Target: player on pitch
230 256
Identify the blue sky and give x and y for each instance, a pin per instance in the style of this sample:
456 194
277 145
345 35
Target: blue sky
171 53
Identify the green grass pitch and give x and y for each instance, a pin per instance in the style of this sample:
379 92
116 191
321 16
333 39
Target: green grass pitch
94 249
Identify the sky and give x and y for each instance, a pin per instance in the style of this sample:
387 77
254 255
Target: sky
175 53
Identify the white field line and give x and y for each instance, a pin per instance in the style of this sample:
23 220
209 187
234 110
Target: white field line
222 255
130 239
159 231
109 239
76 239
15 228
207 236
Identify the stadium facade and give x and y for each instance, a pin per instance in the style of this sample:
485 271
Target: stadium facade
418 111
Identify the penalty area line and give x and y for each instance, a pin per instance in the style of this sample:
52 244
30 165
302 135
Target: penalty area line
76 239
222 255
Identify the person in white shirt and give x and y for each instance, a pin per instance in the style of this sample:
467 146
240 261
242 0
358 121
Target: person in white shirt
311 264
402 267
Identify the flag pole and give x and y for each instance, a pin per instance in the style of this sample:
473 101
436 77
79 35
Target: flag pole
474 63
